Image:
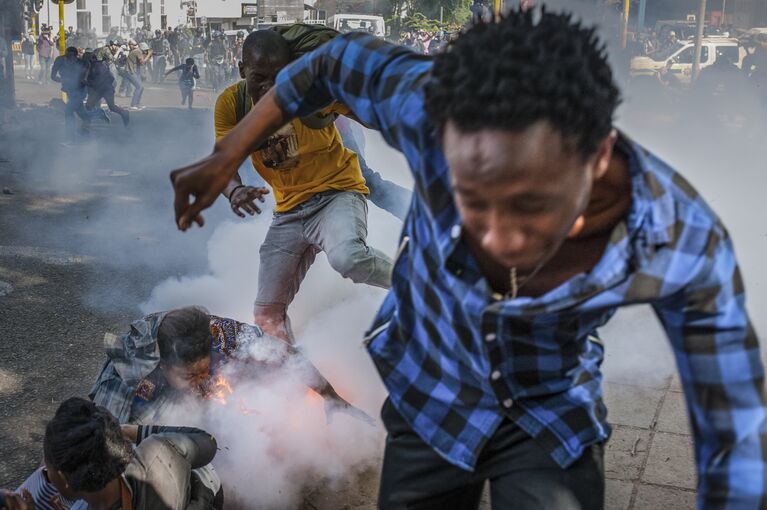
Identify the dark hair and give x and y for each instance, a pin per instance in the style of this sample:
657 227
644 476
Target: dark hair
84 441
184 336
71 51
266 42
189 61
513 73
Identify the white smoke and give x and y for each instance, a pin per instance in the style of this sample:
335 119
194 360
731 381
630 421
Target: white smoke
287 446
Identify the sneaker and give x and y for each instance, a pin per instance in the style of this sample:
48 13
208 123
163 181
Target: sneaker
105 116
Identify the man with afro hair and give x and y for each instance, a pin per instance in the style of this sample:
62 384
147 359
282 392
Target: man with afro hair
532 222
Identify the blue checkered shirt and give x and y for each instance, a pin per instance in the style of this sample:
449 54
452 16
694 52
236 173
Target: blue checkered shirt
457 359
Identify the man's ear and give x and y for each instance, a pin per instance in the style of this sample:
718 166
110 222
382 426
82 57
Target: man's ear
604 155
241 67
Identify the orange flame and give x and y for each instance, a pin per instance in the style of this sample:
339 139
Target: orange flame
221 388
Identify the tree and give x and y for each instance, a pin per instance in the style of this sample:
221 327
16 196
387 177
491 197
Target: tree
424 13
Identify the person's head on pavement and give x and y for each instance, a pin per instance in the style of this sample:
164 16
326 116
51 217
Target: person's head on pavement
84 449
185 343
264 54
525 147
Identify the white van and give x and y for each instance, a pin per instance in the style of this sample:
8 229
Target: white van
358 23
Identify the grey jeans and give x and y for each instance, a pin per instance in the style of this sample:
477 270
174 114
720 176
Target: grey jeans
334 222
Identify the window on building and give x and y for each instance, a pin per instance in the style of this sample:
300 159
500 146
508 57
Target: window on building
84 20
141 11
106 20
162 7
82 5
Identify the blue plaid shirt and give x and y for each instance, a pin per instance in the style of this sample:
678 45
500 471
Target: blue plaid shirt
457 358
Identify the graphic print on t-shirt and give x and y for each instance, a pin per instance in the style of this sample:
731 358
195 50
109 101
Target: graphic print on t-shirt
281 152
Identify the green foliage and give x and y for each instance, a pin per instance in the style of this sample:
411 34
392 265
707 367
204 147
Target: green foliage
424 14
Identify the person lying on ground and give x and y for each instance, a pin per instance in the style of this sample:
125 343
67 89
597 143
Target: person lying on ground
95 463
318 187
533 221
168 356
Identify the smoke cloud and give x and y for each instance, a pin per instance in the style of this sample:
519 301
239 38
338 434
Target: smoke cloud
291 443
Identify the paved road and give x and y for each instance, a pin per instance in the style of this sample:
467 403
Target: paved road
88 231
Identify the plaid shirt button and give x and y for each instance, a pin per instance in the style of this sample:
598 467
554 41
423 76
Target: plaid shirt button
507 403
490 337
495 375
455 232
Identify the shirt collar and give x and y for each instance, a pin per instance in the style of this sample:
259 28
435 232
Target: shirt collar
648 222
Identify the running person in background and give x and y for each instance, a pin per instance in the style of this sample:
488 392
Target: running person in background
186 80
533 221
318 187
72 73
101 85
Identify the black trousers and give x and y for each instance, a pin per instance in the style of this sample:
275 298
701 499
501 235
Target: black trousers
522 475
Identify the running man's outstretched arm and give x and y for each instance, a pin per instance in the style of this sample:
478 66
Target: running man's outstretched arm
370 76
177 68
718 357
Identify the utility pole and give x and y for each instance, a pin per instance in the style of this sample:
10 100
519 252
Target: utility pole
641 15
626 9
701 20
147 25
62 40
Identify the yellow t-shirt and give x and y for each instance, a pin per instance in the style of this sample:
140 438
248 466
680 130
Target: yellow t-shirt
298 162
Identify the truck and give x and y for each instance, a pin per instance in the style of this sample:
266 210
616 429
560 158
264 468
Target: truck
682 56
358 23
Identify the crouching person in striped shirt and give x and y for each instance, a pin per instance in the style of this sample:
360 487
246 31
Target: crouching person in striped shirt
533 220
93 462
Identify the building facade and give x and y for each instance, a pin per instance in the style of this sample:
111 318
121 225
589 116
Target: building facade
126 15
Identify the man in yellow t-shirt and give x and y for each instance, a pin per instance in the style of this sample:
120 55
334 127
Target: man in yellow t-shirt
318 187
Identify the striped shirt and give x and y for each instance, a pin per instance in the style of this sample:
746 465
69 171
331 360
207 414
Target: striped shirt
43 492
457 359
